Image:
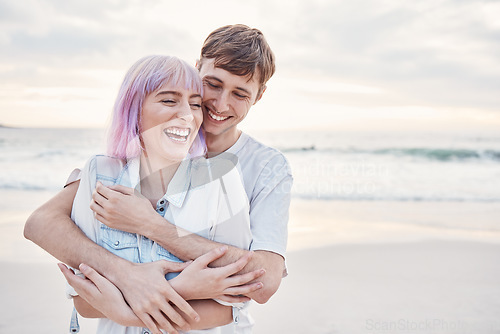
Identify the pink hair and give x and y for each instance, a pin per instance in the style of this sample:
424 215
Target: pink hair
145 76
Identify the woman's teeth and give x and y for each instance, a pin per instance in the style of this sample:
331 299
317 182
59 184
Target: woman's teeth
179 135
179 132
217 118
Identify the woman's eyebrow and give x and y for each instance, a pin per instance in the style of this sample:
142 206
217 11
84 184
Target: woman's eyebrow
165 92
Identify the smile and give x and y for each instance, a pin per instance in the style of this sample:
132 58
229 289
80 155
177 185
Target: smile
215 117
177 134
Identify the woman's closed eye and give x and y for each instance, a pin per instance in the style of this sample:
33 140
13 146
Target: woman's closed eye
168 101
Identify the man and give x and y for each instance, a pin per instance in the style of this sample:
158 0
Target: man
235 64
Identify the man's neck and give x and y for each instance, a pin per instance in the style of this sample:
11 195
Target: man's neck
219 143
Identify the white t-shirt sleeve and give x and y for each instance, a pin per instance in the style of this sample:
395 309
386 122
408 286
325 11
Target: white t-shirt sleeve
270 205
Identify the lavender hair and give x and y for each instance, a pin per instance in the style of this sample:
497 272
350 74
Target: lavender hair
144 77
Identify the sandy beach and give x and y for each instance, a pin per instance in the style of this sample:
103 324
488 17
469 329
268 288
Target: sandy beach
354 267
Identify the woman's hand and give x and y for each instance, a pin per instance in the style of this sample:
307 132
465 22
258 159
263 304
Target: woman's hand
198 281
102 295
121 208
107 298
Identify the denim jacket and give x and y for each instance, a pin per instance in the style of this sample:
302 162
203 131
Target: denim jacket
205 197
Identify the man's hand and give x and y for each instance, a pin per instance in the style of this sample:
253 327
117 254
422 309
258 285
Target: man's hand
198 281
150 295
112 208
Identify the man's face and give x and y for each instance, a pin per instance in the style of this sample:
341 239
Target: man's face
227 98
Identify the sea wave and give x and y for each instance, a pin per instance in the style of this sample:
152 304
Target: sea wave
325 166
52 186
442 154
54 153
437 154
299 149
16 185
389 198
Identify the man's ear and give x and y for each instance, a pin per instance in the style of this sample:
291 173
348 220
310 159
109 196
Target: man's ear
260 94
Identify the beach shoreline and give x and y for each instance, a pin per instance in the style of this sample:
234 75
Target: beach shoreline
354 267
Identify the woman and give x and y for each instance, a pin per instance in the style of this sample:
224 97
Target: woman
156 121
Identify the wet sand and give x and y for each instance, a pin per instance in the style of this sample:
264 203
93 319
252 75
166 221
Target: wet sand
354 267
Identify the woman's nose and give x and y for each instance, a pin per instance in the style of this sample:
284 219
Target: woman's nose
186 113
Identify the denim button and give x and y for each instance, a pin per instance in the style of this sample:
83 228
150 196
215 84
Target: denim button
161 209
162 202
117 243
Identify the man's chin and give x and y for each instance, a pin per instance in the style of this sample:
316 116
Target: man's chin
211 130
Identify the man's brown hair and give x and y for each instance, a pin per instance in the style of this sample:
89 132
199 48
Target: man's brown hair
240 50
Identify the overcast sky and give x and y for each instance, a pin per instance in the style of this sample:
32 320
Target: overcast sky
341 64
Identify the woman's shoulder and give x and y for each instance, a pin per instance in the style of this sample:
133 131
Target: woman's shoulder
101 164
104 161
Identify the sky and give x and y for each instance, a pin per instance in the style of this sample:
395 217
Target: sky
341 65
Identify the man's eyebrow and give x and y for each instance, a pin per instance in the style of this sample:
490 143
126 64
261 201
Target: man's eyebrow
220 81
211 77
165 92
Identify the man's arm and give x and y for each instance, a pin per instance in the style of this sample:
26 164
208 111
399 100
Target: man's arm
51 227
99 298
174 240
114 211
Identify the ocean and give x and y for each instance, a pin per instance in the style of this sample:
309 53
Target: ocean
326 165
389 218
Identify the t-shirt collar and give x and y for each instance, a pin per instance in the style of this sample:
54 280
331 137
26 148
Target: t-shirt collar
239 144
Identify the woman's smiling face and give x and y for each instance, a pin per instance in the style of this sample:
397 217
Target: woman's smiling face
170 119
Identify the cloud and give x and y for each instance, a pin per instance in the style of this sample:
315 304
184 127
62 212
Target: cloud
440 53
358 53
79 33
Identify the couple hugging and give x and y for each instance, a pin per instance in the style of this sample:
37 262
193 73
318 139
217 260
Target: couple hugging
184 221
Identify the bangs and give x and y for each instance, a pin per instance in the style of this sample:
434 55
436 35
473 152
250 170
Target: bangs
175 72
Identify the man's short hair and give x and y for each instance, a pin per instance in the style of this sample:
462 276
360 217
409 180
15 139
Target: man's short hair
240 50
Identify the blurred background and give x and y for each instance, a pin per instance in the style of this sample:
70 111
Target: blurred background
388 112
371 99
